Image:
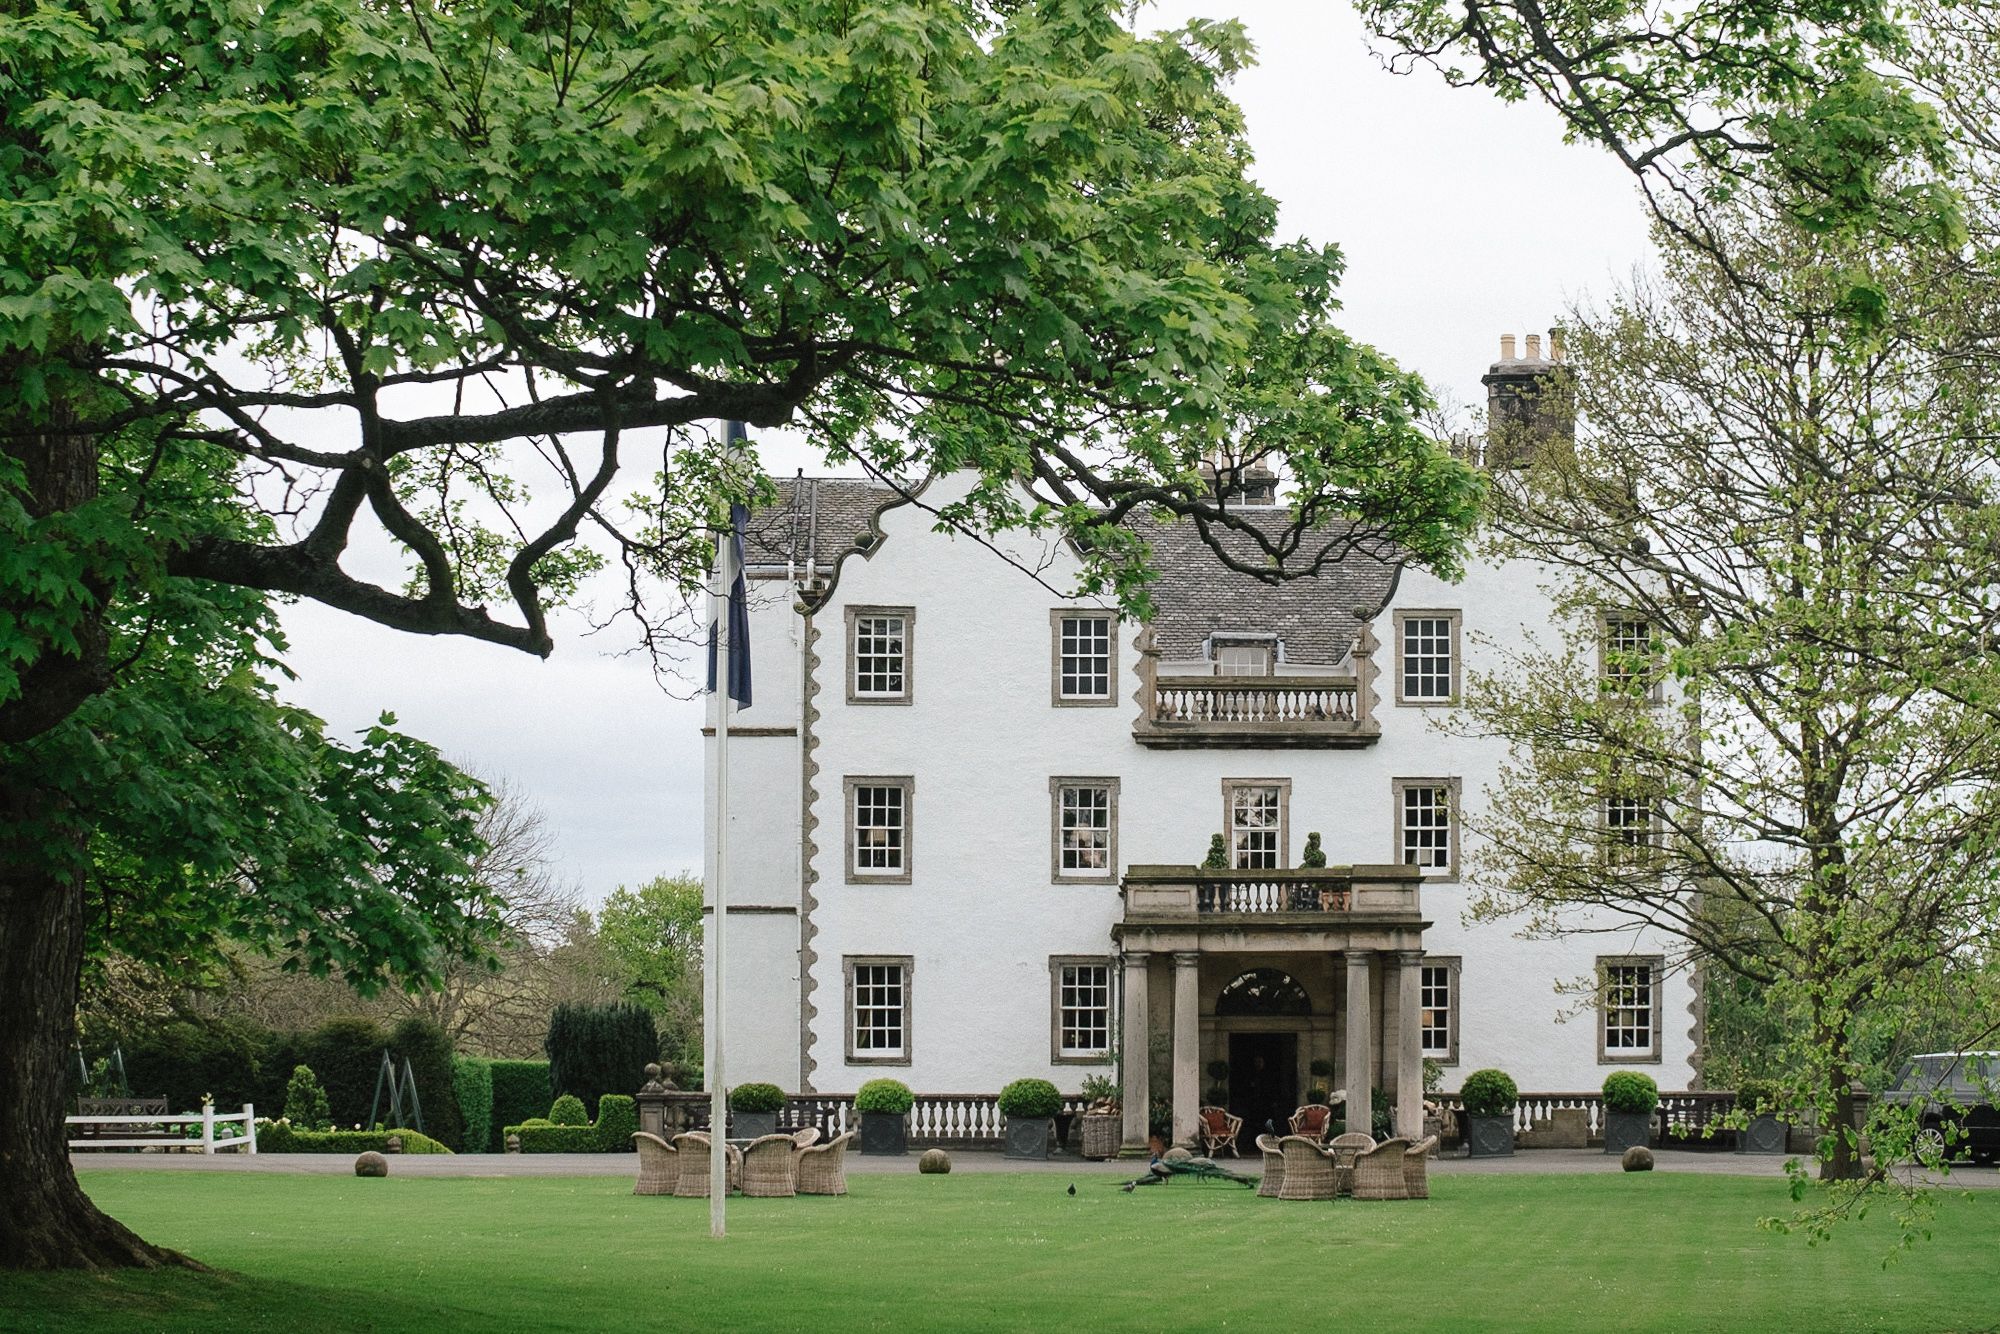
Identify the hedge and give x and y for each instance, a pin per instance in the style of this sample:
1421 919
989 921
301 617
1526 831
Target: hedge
346 1054
617 1118
279 1137
599 1049
472 1082
426 1049
520 1091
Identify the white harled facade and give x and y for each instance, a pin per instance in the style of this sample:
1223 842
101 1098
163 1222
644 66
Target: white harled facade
966 812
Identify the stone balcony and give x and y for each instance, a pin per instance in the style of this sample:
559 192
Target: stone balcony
1313 897
1318 710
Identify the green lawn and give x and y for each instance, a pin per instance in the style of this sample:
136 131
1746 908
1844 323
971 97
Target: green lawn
308 1254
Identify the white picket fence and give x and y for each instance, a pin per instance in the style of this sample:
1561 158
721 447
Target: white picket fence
152 1131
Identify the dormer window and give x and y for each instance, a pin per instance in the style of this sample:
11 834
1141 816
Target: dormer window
1243 656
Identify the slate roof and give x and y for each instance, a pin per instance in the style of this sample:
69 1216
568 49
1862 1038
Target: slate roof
1316 618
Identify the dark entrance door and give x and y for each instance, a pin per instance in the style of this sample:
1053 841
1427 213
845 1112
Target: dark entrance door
1263 1083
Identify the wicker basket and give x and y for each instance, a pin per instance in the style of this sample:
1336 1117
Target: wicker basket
1102 1136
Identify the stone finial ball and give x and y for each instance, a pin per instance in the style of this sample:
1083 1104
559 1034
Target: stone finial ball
371 1164
935 1162
1178 1155
1638 1158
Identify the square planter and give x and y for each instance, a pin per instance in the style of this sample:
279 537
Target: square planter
884 1133
1765 1134
749 1125
1102 1136
1028 1136
1624 1130
1489 1136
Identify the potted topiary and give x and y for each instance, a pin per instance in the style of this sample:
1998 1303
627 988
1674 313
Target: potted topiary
1030 1106
884 1105
1314 857
1103 1126
754 1109
1489 1097
1757 1100
1218 855
1629 1101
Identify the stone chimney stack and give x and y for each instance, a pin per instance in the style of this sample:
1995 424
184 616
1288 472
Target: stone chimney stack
1243 484
1525 407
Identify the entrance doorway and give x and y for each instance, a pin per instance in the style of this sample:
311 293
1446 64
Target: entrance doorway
1263 1083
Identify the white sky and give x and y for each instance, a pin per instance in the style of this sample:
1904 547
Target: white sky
1462 218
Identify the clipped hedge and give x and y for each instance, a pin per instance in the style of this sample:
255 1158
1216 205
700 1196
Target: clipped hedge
520 1093
757 1098
280 1137
472 1082
892 1096
568 1111
346 1054
1630 1091
427 1049
1489 1093
617 1118
1030 1098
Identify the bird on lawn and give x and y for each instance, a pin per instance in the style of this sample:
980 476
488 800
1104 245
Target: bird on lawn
1072 1188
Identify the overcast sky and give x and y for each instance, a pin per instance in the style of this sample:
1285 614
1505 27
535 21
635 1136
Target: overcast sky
1461 218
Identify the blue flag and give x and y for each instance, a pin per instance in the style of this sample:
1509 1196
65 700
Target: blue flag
739 613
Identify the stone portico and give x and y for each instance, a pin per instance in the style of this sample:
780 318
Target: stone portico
1280 967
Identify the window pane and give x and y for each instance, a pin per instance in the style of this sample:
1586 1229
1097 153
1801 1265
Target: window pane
1427 657
1086 828
1427 827
1085 652
1435 1001
1628 1008
1628 652
1628 828
1242 660
878 1008
878 828
879 655
1084 1009
1253 817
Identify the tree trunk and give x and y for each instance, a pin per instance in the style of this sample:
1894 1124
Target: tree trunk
47 1221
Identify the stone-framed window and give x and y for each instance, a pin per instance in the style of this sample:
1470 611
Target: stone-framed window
1080 1013
1631 828
1244 655
1438 1001
879 828
878 1009
1427 825
1083 814
1628 1008
1628 655
1256 813
1083 658
1427 656
880 654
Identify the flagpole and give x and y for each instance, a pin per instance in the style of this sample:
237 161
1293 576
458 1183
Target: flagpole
720 592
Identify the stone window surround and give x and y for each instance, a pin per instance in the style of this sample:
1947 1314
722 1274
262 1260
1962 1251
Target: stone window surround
855 876
1057 875
1284 786
1456 965
1110 965
1626 1056
909 615
1056 697
1457 619
907 963
1448 875
1605 619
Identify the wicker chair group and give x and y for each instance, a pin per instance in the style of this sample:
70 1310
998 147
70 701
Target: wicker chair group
1298 1167
771 1166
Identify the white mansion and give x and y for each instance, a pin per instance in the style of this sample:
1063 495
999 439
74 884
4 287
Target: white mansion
967 816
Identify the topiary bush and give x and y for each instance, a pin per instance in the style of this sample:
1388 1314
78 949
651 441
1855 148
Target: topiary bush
472 1084
599 1049
1030 1098
346 1054
567 1111
1488 1093
305 1101
521 1092
424 1045
1218 1071
1314 857
1218 855
757 1098
1630 1091
617 1119
1321 1068
892 1096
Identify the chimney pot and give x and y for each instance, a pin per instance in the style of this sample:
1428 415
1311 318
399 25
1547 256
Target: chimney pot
1534 347
1507 347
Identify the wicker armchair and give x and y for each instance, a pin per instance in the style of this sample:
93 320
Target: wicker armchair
823 1167
768 1170
1313 1121
1416 1170
1310 1173
692 1148
1274 1167
659 1165
1219 1131
805 1139
1378 1173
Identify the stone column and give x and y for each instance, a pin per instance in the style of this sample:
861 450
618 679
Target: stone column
1136 1053
1187 1044
1360 1044
1409 1044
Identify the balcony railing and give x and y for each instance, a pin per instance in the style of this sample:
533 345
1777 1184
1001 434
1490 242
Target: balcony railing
1304 709
1156 892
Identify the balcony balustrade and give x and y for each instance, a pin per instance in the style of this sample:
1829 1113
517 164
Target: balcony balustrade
1291 710
1307 893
